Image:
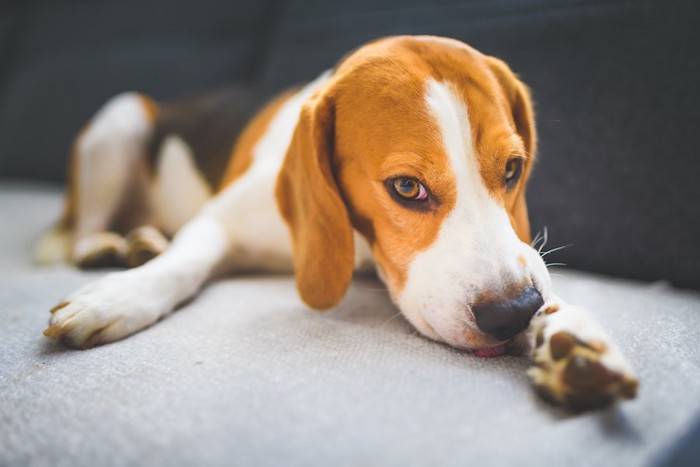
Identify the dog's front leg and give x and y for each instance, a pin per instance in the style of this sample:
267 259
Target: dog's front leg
574 362
122 303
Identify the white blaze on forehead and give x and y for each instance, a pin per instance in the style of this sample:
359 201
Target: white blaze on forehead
476 248
453 120
478 223
474 205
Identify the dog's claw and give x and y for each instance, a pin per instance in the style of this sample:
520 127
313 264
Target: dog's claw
104 311
53 332
61 329
58 307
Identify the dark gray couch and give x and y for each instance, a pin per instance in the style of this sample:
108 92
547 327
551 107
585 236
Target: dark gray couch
614 81
615 84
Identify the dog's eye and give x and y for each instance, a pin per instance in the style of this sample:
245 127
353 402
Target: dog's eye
514 169
410 188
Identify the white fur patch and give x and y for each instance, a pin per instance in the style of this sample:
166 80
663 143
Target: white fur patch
124 302
242 224
107 154
476 249
248 208
180 190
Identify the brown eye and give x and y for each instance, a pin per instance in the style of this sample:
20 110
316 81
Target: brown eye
514 169
410 188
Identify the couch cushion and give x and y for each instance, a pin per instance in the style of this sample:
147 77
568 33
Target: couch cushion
247 375
614 84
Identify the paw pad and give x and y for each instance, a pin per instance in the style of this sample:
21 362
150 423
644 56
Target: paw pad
561 343
571 372
582 372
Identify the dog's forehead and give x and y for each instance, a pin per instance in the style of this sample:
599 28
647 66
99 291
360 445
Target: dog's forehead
382 90
419 108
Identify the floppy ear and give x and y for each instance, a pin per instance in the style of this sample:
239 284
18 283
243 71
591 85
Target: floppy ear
310 202
520 101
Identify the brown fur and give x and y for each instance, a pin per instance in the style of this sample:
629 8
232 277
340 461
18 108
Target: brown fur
369 123
211 124
311 203
242 155
520 103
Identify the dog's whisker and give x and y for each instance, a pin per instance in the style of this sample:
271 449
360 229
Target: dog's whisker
536 239
554 264
555 249
385 322
545 238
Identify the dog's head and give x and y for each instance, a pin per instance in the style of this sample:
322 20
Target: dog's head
424 146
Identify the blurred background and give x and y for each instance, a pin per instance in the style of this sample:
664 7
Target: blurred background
615 85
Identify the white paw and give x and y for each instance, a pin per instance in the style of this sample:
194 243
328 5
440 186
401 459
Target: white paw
575 364
107 310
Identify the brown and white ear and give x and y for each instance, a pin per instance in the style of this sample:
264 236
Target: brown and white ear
520 102
310 202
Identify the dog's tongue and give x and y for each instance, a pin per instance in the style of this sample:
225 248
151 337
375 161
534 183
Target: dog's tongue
496 351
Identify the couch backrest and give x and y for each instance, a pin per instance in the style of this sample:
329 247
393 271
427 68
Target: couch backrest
614 84
62 59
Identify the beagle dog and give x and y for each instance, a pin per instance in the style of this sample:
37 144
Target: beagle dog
411 155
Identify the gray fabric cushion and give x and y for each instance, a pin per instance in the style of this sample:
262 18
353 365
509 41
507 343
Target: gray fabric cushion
247 375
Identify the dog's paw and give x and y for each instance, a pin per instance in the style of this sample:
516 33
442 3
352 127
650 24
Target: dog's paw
575 365
107 310
144 244
100 250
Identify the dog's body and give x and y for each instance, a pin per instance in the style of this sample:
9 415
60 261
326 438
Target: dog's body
412 155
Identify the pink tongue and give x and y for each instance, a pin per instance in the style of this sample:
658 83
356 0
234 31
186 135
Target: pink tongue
496 351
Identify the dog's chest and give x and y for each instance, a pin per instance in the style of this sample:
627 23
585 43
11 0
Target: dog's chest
248 206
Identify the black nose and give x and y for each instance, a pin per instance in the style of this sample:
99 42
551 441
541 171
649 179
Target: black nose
505 319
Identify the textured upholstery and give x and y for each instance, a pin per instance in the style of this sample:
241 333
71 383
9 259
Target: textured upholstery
247 375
